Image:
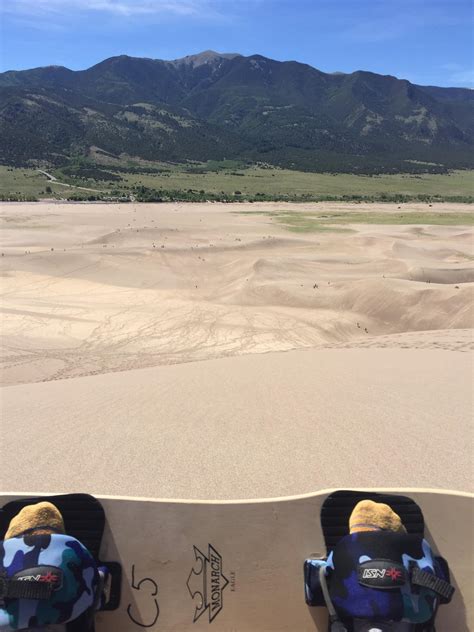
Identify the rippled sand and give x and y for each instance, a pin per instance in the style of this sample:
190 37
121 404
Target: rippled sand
375 389
131 286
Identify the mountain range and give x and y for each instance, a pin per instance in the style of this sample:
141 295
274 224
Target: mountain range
216 106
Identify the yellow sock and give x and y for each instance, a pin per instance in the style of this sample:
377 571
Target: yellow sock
368 515
42 518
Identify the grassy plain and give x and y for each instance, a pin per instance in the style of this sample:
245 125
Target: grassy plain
28 183
285 182
230 179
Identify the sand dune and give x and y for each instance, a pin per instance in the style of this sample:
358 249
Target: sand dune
442 275
88 289
261 425
97 299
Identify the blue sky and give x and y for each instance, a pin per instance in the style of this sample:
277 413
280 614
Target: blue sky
425 41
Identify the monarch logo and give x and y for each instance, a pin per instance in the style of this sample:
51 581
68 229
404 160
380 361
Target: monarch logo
381 574
206 583
42 574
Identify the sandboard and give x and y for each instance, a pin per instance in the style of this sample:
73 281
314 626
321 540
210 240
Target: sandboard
238 565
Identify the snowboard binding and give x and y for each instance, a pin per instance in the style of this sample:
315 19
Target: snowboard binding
50 571
380 573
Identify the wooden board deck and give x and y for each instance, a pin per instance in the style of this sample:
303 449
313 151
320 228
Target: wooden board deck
238 566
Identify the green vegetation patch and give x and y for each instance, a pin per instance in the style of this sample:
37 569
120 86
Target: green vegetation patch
22 185
302 223
228 181
92 173
430 218
313 222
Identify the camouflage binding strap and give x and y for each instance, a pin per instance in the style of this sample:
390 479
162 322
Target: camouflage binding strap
57 569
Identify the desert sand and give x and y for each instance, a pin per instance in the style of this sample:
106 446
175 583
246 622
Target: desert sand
197 351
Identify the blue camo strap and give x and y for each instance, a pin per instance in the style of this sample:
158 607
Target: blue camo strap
370 577
57 559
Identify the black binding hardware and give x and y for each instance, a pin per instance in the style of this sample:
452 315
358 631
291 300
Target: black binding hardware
18 589
436 584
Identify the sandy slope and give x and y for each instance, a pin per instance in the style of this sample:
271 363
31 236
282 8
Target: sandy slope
250 426
98 293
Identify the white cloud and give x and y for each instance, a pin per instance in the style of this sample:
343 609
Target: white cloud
389 21
463 78
451 66
125 8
